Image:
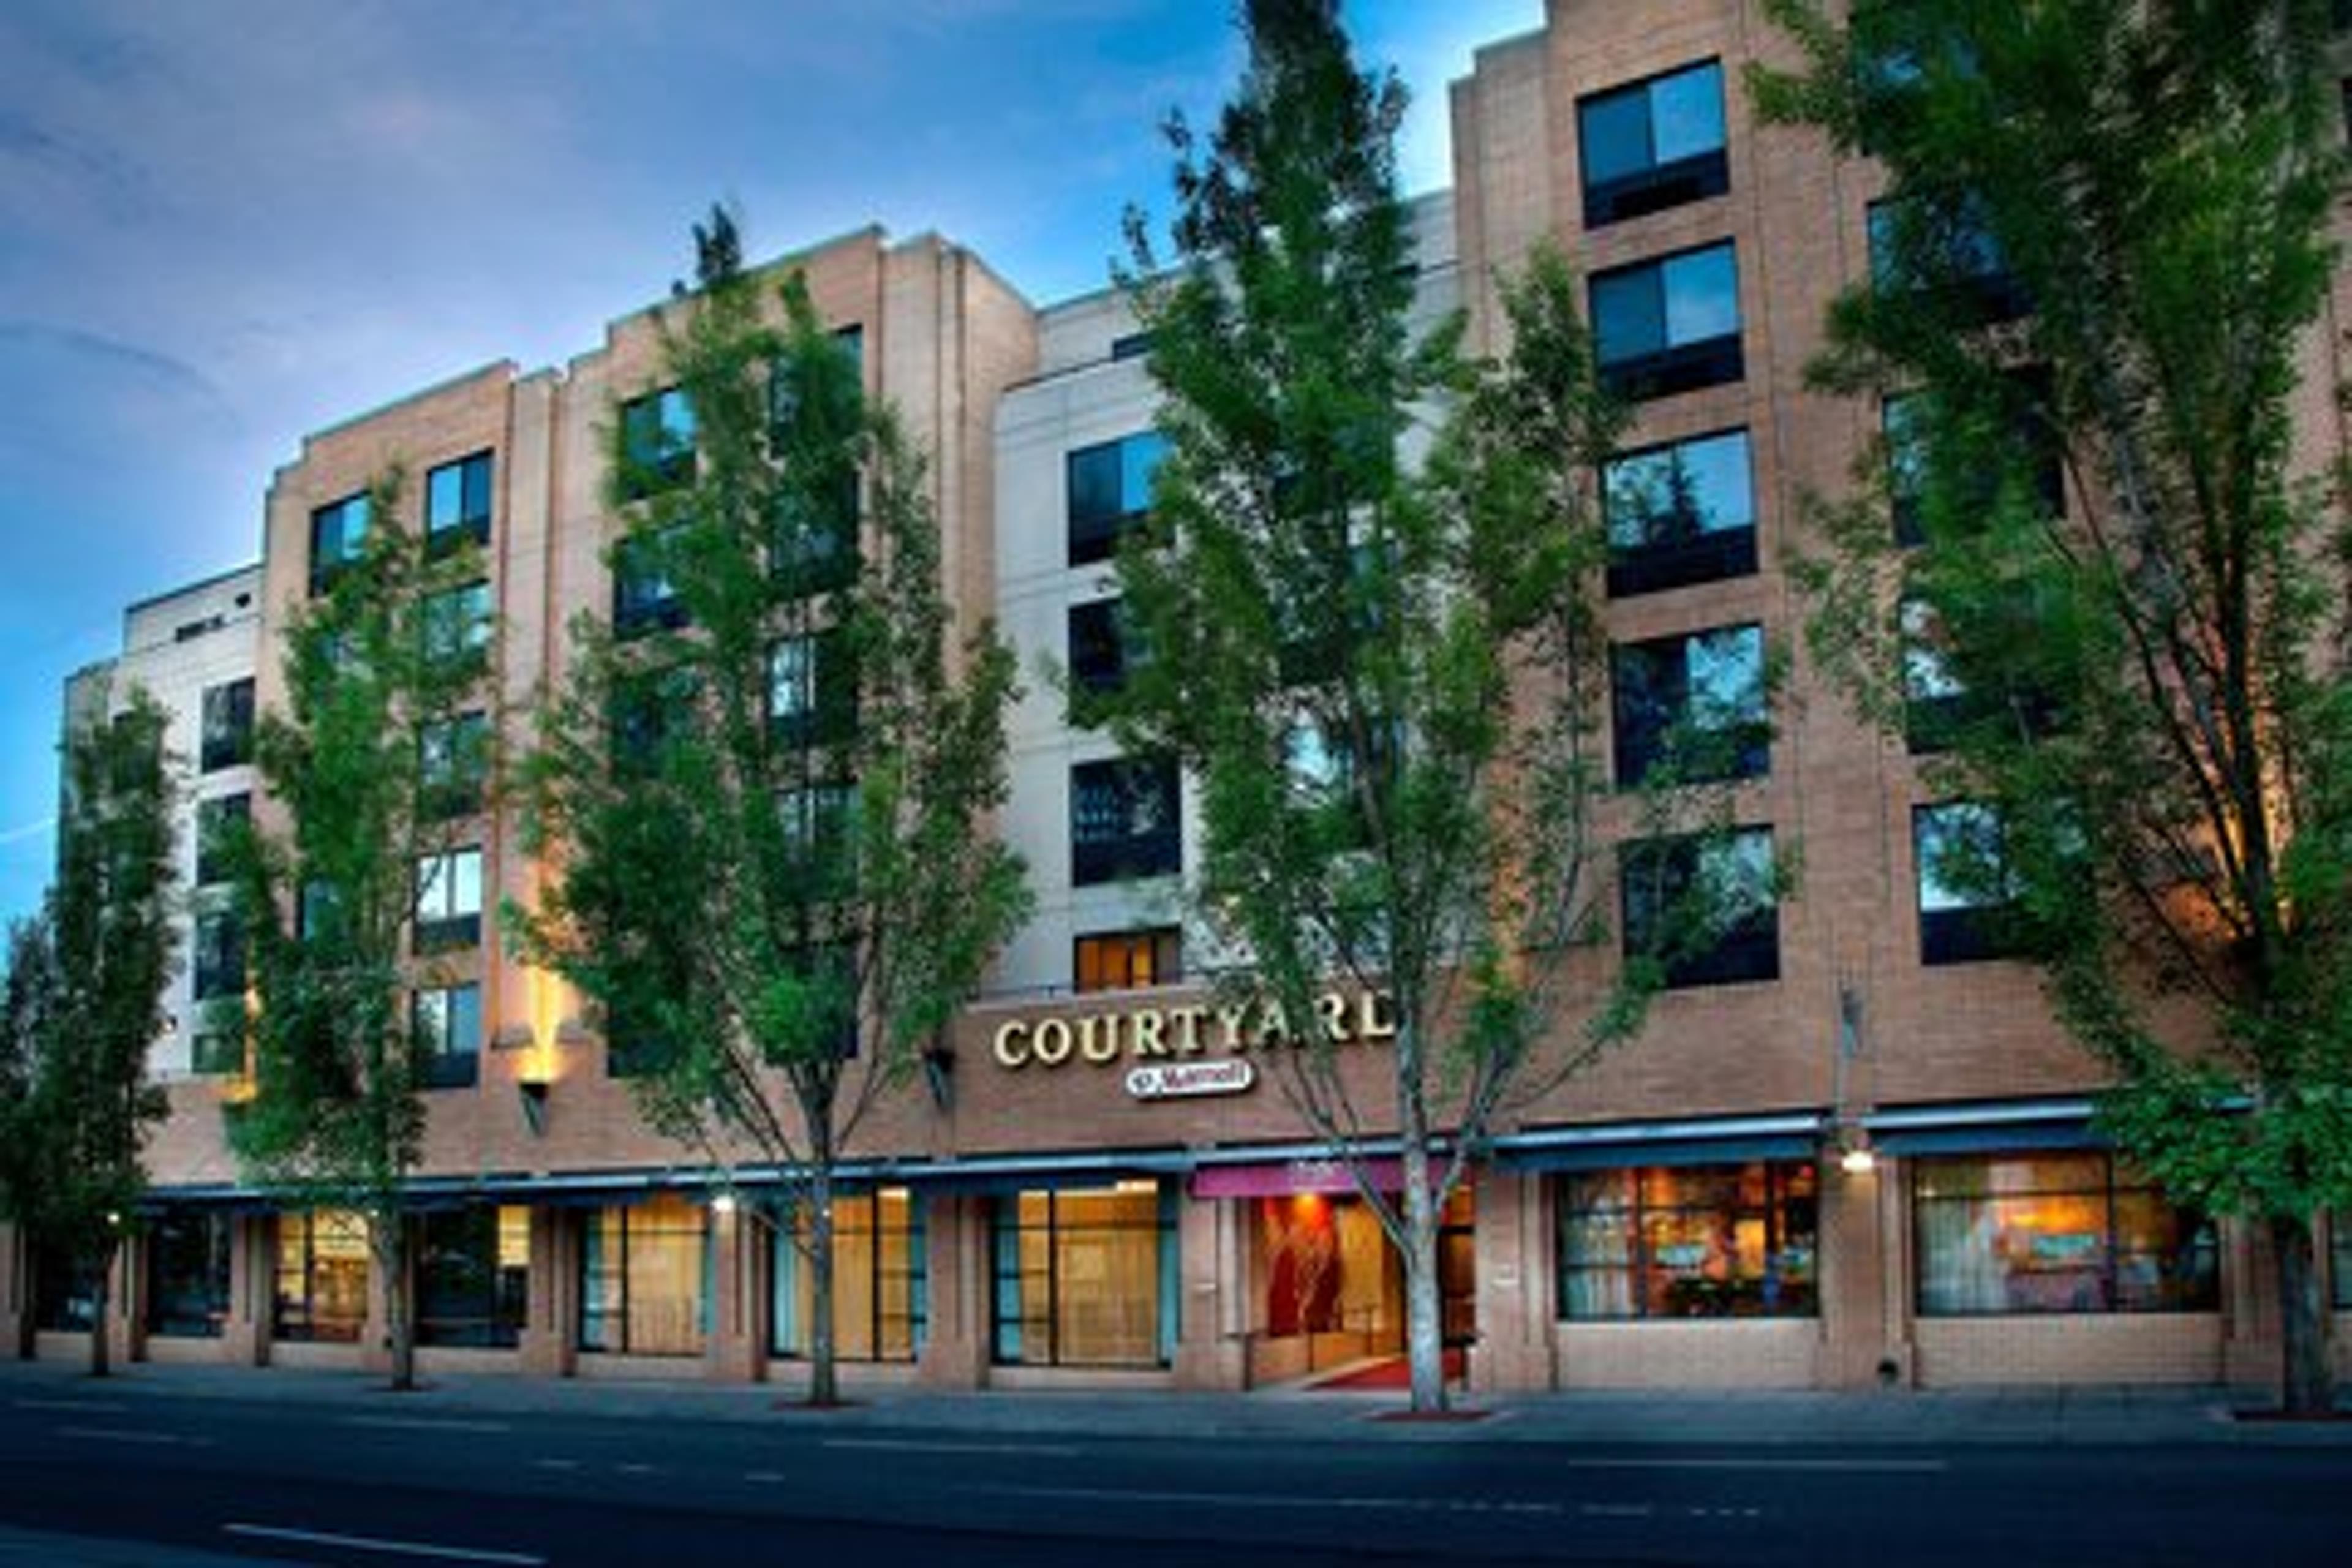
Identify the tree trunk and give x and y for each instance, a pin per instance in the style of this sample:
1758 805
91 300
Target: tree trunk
1424 1327
99 1300
2305 1385
823 1389
391 1231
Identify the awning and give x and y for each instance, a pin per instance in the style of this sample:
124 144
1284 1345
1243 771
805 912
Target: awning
1718 1141
1288 1178
1983 1127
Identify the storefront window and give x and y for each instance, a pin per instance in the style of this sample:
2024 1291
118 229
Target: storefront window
644 1278
2056 1233
65 1291
2340 1257
881 1287
473 1276
187 1275
1700 1241
1086 1277
323 1277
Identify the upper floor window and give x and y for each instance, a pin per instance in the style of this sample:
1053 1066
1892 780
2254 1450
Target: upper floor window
217 962
656 442
2014 442
337 537
1704 908
1124 820
1681 513
445 1030
448 900
644 597
1669 325
1109 491
1656 144
1692 705
786 393
217 821
813 689
453 764
1943 247
457 623
1959 855
1128 960
820 823
457 503
1099 650
227 721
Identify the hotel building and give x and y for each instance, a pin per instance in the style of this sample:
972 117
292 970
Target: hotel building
1039 1210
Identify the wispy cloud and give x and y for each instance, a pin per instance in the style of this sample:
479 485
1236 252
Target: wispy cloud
25 831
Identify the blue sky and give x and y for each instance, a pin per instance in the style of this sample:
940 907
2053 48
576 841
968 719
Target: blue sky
224 223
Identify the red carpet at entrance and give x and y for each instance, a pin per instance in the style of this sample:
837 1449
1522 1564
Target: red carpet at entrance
1396 1372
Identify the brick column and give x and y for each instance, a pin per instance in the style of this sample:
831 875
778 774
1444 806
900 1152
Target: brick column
550 1329
955 1235
1852 1272
1212 1288
1514 1348
252 1287
737 1351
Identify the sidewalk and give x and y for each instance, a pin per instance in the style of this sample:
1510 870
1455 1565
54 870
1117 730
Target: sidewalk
2118 1416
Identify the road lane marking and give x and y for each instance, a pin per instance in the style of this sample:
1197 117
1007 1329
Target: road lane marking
920 1446
1886 1467
634 1469
557 1464
123 1435
389 1548
1239 1499
100 1405
764 1475
425 1424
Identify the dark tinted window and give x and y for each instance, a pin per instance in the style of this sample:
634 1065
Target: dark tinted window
1653 145
1669 325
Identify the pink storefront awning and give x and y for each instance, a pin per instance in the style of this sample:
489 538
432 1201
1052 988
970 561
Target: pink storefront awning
1288 1178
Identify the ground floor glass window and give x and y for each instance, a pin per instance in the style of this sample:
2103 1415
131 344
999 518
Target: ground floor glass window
473 1276
2056 1233
323 1277
1085 1277
187 1274
2340 1258
644 1278
881 1287
65 1290
1696 1241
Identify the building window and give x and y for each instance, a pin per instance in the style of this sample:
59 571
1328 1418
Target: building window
821 834
2339 1257
1964 888
457 504
473 1276
456 624
338 540
65 1289
1679 514
323 1277
1128 960
1656 144
644 597
1085 1277
227 719
657 443
448 900
217 965
1669 325
2033 1232
644 1278
1124 821
2026 451
453 765
1703 907
219 821
216 1053
1110 491
445 1036
1698 1241
1691 709
1917 246
651 712
813 689
187 1274
881 1280
1098 649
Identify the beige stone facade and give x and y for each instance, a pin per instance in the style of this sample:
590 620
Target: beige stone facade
1034 1218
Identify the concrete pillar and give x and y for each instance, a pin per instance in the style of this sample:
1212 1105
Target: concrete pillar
956 1236
126 1304
1515 1344
1212 1344
2250 1351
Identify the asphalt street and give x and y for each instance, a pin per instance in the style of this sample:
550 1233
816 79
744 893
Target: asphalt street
89 1469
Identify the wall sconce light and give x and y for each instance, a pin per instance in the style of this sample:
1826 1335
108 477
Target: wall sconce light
533 1093
1855 1156
722 1204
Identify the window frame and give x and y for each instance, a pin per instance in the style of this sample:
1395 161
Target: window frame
1654 186
445 532
440 922
1137 785
1115 955
1785 1214
1673 364
1093 533
441 1059
348 539
225 721
1746 951
1641 740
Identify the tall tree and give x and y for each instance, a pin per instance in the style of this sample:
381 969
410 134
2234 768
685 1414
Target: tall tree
1386 682
368 775
766 786
85 1002
2102 266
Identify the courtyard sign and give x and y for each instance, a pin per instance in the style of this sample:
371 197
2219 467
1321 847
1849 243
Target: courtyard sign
1149 1035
